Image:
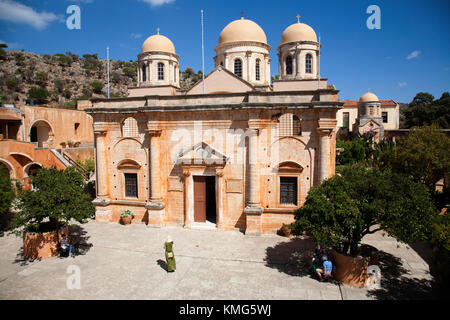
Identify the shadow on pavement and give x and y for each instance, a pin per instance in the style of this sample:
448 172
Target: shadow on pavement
395 285
79 237
292 257
5 219
162 264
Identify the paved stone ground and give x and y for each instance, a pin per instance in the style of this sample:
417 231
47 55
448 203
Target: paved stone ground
127 262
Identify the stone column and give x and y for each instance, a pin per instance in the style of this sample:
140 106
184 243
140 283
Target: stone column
101 167
147 69
219 175
156 205
297 63
248 55
102 213
187 188
325 152
253 209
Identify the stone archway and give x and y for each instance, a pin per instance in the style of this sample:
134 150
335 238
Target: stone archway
41 133
8 167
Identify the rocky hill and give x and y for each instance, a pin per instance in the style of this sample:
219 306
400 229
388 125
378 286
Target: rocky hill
60 80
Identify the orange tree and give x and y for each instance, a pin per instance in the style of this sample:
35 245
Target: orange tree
361 201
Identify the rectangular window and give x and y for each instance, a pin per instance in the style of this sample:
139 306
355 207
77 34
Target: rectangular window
288 190
160 71
384 115
346 120
131 185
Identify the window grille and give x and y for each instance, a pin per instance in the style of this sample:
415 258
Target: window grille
238 67
160 71
288 190
144 73
131 185
308 64
130 128
289 125
288 65
385 117
257 71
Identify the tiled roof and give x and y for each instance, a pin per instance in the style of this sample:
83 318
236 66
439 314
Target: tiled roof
384 103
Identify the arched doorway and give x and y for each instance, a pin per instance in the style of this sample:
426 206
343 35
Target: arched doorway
40 133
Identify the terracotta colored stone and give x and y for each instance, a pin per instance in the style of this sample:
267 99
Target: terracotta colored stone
42 245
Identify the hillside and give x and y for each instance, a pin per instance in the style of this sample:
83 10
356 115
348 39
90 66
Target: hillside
60 80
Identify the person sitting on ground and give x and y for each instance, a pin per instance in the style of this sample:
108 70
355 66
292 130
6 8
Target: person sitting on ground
65 245
327 266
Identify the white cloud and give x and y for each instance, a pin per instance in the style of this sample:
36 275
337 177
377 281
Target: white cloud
402 84
413 54
155 3
16 12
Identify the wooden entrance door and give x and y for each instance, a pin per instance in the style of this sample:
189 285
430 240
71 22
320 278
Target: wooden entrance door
199 199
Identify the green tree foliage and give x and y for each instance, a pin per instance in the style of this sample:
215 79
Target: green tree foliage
58 197
12 84
59 85
441 243
38 94
6 190
423 154
343 209
97 86
425 110
41 78
2 51
63 60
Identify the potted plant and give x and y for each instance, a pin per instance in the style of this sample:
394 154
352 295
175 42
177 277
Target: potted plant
70 144
63 144
126 217
286 230
343 209
44 213
76 144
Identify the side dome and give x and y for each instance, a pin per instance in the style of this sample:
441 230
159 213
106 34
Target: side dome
242 30
298 32
369 97
158 42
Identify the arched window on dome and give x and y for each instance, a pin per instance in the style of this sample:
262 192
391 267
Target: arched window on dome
308 63
289 65
257 70
130 127
144 73
160 71
238 67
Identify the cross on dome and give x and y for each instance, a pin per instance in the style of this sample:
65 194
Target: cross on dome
242 14
298 18
157 30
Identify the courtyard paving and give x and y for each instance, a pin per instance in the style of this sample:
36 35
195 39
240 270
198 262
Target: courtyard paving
127 262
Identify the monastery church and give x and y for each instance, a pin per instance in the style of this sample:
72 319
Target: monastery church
235 153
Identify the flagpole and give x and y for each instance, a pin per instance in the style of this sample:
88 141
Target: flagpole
318 64
203 56
107 57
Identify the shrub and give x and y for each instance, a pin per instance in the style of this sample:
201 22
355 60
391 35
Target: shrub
6 190
63 60
97 86
38 94
11 84
127 213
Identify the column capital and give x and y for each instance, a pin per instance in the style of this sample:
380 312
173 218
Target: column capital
325 131
186 172
100 132
219 172
153 133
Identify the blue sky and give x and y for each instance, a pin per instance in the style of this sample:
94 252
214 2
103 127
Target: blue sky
409 54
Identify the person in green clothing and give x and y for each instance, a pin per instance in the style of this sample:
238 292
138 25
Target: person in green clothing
170 257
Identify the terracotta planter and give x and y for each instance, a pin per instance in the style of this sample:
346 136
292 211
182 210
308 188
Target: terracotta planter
126 220
350 270
42 245
286 231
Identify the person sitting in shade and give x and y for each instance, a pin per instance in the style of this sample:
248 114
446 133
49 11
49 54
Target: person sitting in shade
170 257
65 245
327 267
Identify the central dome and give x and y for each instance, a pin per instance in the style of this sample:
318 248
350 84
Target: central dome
242 30
298 32
158 42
